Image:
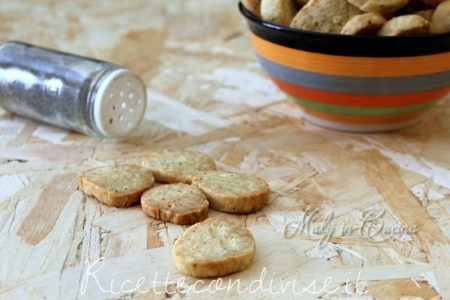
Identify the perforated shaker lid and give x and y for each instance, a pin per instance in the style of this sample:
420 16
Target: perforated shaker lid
119 103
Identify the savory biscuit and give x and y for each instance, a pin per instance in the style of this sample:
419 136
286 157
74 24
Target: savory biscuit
253 6
178 203
440 20
379 6
213 248
278 11
425 13
405 25
233 192
364 24
328 16
301 3
177 166
118 186
433 3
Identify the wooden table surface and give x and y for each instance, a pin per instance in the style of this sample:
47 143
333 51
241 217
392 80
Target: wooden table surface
350 215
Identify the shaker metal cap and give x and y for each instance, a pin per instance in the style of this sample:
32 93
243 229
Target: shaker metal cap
120 103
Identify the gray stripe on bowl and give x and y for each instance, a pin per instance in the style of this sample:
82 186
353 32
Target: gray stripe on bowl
356 85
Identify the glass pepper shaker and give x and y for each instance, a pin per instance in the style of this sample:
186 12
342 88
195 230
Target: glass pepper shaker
90 96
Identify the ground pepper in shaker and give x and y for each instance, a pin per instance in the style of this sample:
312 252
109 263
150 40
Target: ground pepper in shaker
90 96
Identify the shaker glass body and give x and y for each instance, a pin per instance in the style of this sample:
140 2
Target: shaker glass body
70 91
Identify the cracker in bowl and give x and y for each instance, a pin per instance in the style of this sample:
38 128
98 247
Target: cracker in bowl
440 20
405 25
177 166
254 6
178 203
278 11
379 6
364 24
233 192
213 248
328 16
118 186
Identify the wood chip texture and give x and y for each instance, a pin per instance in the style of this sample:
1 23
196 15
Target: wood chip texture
207 93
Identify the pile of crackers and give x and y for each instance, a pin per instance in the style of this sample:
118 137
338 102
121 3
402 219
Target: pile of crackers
180 187
357 17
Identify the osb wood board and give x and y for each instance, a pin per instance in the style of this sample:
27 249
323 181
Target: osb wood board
350 215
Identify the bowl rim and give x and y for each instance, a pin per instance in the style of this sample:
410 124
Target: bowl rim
250 16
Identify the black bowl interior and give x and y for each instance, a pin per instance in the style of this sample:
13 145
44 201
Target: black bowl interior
347 45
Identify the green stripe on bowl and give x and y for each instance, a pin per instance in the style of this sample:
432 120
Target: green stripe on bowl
361 111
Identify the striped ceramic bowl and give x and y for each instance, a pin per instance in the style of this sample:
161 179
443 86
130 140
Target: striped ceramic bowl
354 83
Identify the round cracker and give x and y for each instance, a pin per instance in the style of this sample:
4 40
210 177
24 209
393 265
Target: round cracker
328 16
278 11
379 6
254 6
212 248
405 25
118 186
178 203
433 3
177 166
364 24
233 192
440 20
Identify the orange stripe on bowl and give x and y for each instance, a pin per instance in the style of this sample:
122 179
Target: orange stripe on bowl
350 65
385 119
361 100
